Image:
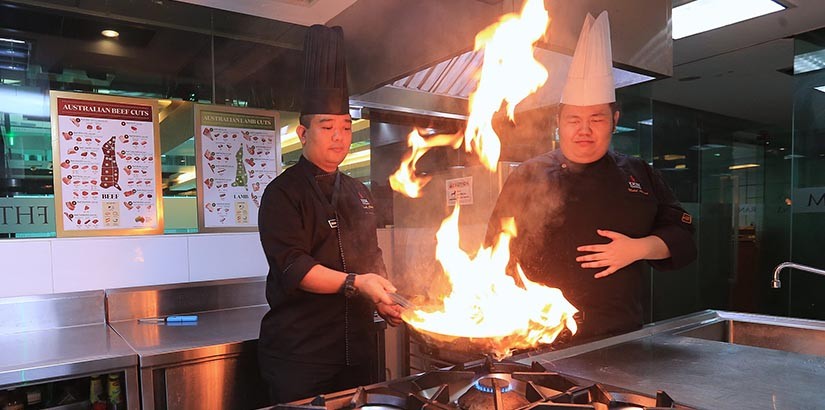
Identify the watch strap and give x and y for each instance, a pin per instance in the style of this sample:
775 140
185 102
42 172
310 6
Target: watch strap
348 288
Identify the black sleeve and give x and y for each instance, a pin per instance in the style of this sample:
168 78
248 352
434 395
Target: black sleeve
673 225
285 237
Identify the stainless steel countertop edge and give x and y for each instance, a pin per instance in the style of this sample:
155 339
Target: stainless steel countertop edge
118 356
158 355
669 325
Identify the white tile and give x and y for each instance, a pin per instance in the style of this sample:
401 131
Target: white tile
25 267
223 256
99 263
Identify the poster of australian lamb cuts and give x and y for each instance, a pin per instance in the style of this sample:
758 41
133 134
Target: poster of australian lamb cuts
238 153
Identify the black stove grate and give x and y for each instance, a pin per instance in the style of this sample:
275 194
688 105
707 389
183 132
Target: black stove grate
488 386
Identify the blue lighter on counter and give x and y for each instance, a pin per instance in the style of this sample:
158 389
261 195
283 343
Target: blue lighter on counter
182 318
174 320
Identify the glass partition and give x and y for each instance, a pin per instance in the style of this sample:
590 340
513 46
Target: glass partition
805 156
175 53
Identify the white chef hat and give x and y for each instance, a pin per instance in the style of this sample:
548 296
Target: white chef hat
590 79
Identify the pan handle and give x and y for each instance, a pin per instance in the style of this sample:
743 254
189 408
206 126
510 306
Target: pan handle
401 301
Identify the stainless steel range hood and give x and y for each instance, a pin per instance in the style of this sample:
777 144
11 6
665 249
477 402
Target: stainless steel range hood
417 56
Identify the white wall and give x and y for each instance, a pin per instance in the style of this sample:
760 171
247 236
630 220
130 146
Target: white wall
37 266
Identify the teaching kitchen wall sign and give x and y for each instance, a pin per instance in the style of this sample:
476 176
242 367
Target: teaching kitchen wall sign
238 153
106 165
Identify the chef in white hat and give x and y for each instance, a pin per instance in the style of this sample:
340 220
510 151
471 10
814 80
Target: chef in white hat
591 220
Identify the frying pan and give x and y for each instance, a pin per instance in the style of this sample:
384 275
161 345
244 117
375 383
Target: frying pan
475 347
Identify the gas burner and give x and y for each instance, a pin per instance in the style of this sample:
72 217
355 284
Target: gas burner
494 382
496 387
490 385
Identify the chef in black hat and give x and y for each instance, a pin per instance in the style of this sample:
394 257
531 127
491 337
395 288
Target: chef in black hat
318 231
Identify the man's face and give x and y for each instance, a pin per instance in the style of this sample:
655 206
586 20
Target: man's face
326 142
585 131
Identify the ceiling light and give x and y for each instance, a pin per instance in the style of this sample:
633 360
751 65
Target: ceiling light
703 15
807 62
821 88
742 166
648 122
109 33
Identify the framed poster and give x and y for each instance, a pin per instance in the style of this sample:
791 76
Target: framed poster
106 156
238 153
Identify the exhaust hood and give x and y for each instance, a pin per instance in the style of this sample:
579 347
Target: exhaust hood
417 56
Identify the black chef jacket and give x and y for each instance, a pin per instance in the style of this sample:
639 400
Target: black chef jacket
296 234
558 205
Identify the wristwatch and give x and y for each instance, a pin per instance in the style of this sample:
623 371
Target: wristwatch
348 288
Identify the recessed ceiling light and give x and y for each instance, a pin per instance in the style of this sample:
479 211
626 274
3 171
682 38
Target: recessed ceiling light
109 33
703 15
742 166
11 40
807 62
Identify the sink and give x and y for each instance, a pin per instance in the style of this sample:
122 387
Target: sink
766 335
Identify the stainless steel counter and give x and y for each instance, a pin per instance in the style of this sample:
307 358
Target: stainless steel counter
214 334
701 373
204 365
54 353
45 338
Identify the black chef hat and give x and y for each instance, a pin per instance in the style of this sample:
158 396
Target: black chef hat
325 72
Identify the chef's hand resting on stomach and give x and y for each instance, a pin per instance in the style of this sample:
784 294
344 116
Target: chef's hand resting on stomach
621 251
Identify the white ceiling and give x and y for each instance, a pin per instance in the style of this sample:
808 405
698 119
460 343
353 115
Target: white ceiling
738 66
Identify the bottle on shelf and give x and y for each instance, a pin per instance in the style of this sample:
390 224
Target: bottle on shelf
97 396
114 386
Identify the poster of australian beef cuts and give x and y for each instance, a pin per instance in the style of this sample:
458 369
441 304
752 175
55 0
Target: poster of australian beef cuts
106 165
238 153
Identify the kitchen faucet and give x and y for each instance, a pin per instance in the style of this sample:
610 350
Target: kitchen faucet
776 284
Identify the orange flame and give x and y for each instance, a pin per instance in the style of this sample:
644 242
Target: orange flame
404 179
486 303
509 73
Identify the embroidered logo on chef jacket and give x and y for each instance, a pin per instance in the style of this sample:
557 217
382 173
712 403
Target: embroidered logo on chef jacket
365 202
635 186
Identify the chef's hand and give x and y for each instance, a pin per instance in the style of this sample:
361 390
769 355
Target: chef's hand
620 252
375 287
390 313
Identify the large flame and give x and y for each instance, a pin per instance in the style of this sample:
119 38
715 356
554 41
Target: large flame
509 73
405 180
486 303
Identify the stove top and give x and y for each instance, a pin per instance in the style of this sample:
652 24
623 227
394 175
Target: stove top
490 385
